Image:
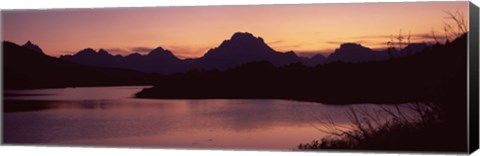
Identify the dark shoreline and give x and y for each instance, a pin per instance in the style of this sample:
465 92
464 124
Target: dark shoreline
313 100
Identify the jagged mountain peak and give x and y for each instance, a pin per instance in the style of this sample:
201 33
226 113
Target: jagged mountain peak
158 49
32 46
241 48
245 38
103 52
160 52
243 35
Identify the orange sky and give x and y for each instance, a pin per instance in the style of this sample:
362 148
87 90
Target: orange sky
191 31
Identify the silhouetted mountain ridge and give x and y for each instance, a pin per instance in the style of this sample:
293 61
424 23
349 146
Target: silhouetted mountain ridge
26 68
241 48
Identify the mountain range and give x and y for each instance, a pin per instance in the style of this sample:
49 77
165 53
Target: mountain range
28 67
158 60
241 48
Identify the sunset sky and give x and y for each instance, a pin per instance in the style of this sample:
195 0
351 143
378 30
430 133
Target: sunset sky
191 31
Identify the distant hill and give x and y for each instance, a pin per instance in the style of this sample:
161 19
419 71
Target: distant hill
317 59
353 52
27 68
410 50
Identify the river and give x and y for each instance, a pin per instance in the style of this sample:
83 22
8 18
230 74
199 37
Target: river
112 117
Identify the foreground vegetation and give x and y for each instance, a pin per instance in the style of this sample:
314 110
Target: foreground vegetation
441 123
432 130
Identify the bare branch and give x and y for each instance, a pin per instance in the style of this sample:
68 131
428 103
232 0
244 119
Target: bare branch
400 39
459 19
434 36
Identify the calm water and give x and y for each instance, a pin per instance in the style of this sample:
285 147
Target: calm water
109 116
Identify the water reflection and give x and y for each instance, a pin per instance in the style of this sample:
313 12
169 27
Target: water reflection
116 119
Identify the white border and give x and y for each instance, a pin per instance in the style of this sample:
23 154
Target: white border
48 4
